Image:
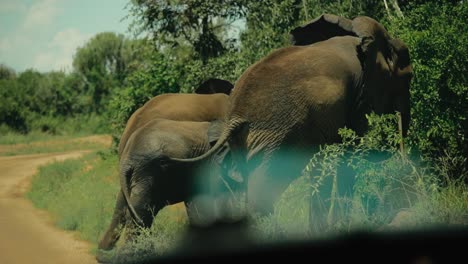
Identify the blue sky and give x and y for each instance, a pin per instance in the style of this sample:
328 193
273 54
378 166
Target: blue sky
44 34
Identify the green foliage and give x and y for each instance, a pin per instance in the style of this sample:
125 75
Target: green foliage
159 77
105 61
39 142
345 8
269 22
35 100
9 137
194 72
436 35
6 73
116 76
387 182
447 205
194 23
80 193
77 125
164 236
12 112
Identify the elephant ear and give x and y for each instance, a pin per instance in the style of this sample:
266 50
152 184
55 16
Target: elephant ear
322 28
328 26
213 86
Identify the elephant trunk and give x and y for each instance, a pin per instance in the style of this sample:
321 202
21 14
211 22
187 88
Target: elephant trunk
233 126
125 174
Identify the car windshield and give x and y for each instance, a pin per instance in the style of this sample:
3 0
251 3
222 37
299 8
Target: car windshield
189 130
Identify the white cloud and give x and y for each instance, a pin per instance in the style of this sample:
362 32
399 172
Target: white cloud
10 43
41 13
24 36
59 55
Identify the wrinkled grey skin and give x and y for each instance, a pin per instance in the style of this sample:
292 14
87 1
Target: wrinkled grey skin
209 106
149 180
285 105
142 146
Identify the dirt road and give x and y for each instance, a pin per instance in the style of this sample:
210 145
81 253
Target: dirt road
27 234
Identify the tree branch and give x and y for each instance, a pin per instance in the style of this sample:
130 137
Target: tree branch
386 7
397 8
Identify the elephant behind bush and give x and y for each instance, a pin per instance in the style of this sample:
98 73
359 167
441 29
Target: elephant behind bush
287 104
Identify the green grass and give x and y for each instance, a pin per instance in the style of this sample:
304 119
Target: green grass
11 138
80 193
162 238
406 200
54 135
444 206
44 143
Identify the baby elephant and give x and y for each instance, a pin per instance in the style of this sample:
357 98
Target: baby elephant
149 179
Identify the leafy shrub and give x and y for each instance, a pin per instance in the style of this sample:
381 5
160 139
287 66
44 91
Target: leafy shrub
385 182
162 238
76 125
159 77
436 35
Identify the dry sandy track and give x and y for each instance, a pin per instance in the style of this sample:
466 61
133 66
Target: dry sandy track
27 234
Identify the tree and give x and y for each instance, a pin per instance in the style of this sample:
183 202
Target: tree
198 24
436 35
6 72
105 61
12 112
160 76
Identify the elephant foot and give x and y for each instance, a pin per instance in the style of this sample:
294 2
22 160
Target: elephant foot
106 245
105 256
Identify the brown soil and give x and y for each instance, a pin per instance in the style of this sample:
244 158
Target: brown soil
27 234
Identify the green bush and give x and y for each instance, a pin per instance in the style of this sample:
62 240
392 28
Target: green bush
387 181
436 35
81 193
161 239
161 76
228 67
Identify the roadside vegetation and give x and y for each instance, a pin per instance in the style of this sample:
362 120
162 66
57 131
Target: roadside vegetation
394 190
46 143
81 193
422 184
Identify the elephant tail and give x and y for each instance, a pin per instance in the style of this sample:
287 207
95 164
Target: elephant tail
125 174
233 127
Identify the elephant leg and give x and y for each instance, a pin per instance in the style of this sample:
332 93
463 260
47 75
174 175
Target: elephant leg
118 219
201 210
264 189
192 212
271 178
146 208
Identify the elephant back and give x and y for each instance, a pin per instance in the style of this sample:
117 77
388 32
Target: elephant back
178 107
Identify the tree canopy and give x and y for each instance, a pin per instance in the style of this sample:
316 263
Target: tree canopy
189 41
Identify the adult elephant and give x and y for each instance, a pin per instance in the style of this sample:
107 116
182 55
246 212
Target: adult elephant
282 107
206 108
148 181
210 103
